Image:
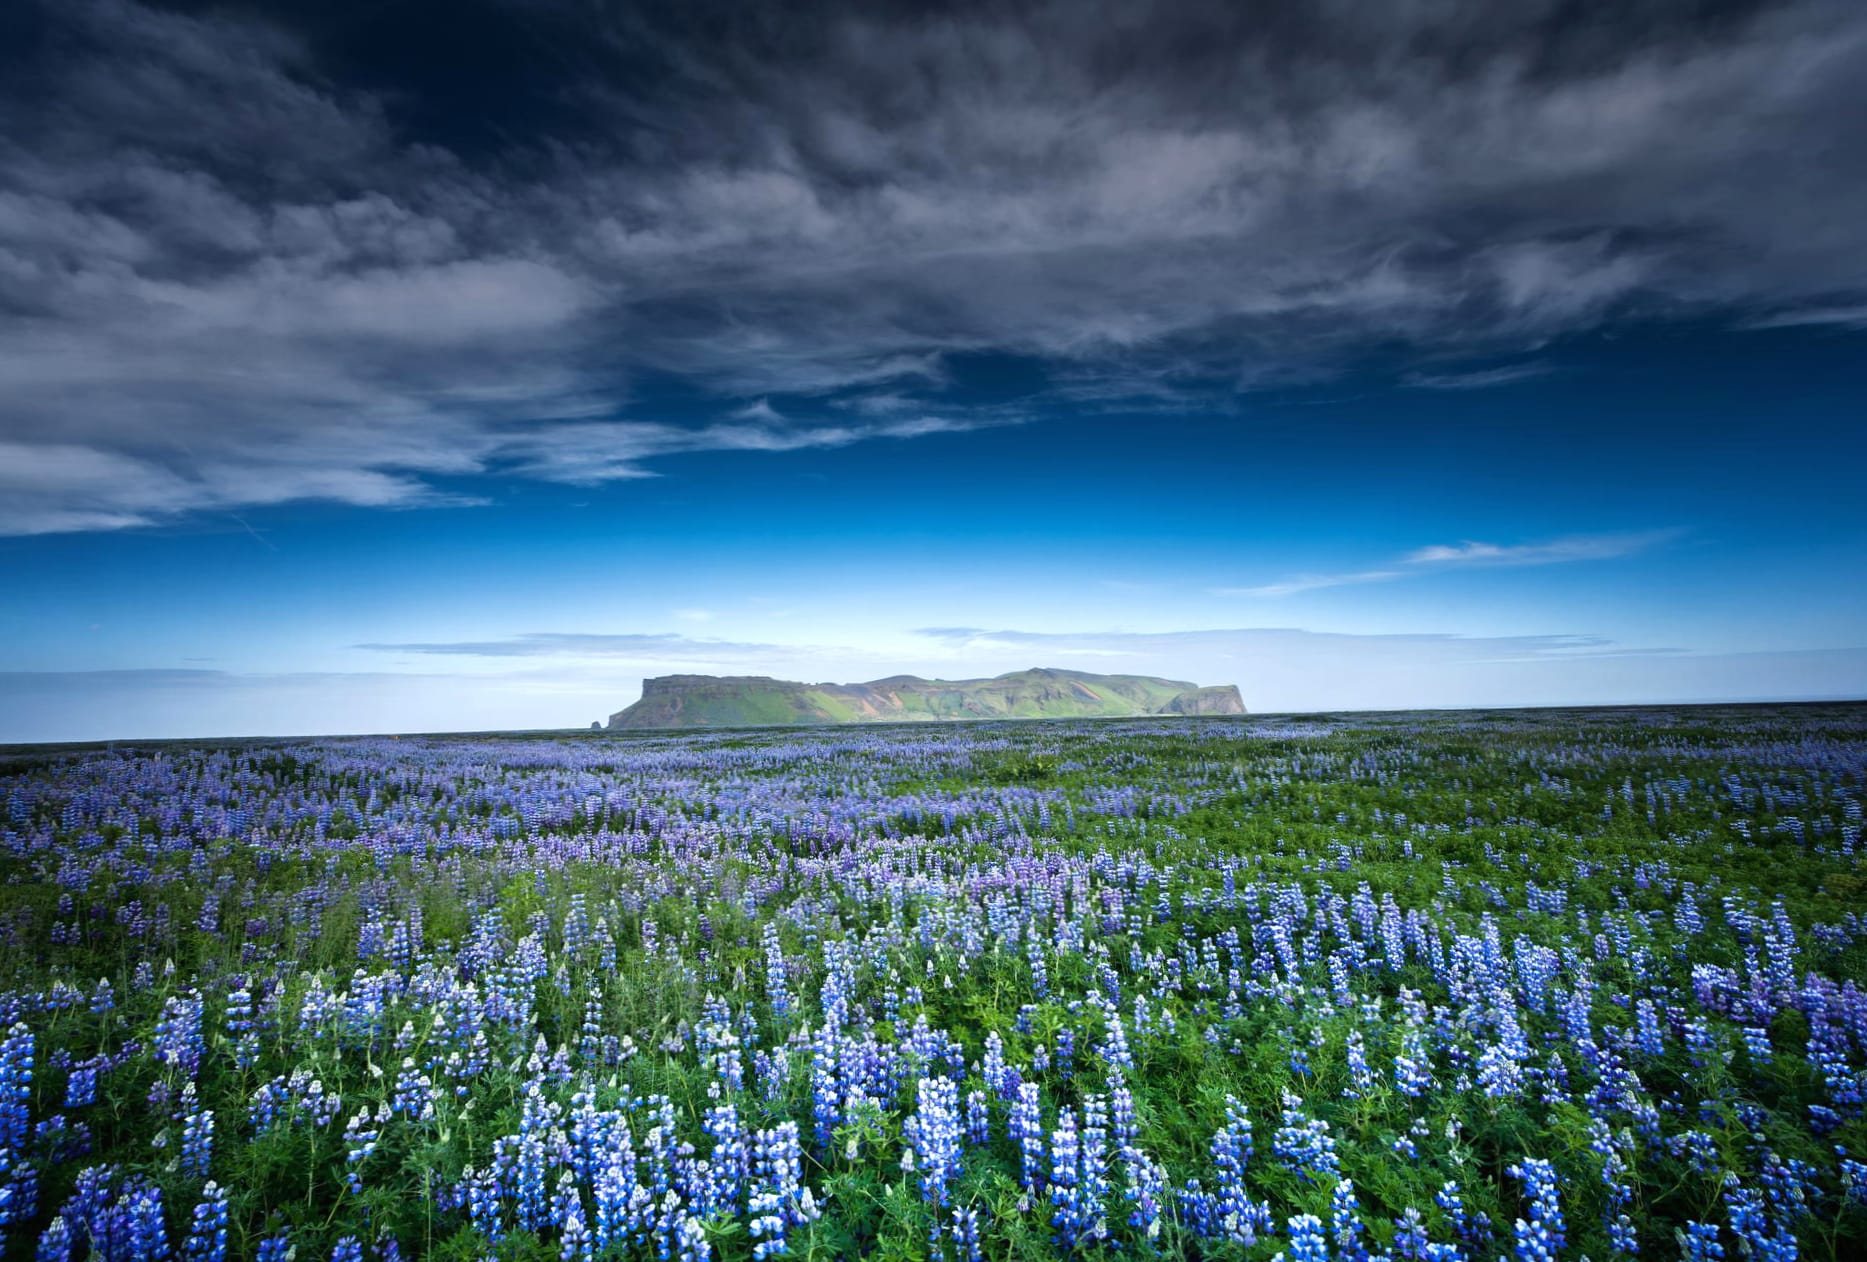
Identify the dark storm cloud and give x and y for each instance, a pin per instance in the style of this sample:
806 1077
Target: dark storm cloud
249 256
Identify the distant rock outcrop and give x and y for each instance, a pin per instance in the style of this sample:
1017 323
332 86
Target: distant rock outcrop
1213 699
702 701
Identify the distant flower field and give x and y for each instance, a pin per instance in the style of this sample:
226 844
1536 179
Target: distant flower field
1528 985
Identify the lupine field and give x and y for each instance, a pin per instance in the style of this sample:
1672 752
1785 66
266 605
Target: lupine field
1525 985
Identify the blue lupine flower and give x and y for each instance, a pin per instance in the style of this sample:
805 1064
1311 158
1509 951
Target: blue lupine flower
1344 1224
207 1237
1026 1128
1360 1077
1410 1239
1698 1242
1304 1144
1115 1053
1240 1218
145 1235
1071 1214
16 1063
54 1242
197 1143
966 1235
1307 1242
359 1142
978 1120
934 1135
179 1041
1541 1238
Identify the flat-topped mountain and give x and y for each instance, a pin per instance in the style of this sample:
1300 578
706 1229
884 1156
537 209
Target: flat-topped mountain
686 701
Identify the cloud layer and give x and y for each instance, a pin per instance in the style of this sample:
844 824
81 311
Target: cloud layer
235 269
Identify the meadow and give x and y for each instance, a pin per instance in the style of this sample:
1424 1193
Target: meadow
1536 985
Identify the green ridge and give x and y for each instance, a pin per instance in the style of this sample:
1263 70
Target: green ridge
701 701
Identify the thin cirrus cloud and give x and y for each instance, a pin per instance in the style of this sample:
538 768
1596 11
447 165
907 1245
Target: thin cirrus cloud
237 270
1478 379
1849 316
1470 554
635 647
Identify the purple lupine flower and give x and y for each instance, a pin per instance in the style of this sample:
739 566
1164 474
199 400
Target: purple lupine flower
179 1042
1853 1177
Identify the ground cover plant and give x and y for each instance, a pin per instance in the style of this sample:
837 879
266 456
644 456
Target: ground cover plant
1529 985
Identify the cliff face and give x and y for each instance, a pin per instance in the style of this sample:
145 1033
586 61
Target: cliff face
701 701
1215 699
718 701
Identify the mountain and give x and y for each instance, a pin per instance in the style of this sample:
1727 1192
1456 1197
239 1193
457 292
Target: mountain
689 701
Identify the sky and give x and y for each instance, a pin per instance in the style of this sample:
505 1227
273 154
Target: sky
384 367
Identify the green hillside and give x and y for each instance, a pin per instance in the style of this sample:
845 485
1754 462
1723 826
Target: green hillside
701 701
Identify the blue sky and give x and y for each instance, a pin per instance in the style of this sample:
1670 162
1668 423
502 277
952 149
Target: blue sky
387 406
1355 545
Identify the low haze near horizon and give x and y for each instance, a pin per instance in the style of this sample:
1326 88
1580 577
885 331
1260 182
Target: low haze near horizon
365 372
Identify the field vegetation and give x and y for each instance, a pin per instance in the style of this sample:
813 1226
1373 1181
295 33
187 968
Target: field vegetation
1531 985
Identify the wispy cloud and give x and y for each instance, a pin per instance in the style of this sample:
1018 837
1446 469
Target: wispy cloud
637 647
1478 379
1469 554
1309 583
1552 552
1848 315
